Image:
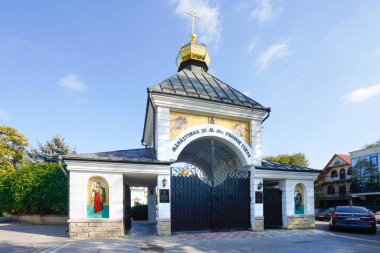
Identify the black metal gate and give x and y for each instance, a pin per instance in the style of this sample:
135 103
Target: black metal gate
127 208
208 189
272 207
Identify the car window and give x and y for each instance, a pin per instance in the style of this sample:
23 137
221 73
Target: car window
352 209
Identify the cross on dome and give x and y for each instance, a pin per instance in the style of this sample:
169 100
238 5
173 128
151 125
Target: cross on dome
192 13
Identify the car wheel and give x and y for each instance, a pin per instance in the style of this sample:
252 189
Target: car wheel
331 228
373 231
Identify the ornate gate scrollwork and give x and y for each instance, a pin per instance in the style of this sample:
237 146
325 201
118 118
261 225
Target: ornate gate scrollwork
209 188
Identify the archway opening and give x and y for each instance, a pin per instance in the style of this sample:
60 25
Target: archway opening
210 189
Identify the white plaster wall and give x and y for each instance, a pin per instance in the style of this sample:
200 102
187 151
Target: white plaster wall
256 142
257 210
163 133
78 194
163 211
287 186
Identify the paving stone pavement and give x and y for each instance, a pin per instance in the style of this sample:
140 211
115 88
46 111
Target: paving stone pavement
217 235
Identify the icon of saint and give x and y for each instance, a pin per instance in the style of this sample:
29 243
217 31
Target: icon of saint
98 197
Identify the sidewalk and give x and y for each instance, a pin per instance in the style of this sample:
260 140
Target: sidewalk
16 237
19 237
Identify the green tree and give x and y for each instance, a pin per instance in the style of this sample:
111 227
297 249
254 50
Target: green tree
12 148
297 159
50 151
371 145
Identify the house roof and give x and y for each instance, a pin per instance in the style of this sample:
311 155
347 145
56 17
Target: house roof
346 158
202 85
269 165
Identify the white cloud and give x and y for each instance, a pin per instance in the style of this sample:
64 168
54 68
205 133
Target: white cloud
208 26
73 82
252 46
275 51
362 94
4 115
264 11
247 93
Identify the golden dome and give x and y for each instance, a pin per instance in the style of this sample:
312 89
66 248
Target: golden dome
193 51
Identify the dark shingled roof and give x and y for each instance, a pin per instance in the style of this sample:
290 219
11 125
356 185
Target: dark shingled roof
142 155
202 85
146 155
269 165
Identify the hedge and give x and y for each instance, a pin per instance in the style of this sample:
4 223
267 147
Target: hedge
34 189
139 212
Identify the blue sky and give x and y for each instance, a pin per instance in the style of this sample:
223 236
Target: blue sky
81 68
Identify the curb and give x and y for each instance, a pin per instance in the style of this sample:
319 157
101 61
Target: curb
6 219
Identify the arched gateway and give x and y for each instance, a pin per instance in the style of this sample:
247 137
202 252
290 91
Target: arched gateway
201 163
210 188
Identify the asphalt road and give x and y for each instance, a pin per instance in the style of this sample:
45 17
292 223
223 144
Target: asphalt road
363 235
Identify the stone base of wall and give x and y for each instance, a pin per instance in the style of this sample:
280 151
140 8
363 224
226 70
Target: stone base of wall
38 219
96 228
164 227
301 221
259 223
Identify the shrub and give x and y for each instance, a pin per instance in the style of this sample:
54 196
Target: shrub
139 212
34 189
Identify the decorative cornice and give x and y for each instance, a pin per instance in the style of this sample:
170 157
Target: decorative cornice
202 106
275 174
111 167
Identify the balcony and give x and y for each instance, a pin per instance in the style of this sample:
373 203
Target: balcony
337 195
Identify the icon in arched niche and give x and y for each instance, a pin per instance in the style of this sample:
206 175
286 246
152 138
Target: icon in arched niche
298 199
97 198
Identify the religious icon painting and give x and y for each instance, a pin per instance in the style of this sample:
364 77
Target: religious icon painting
97 198
179 123
240 130
298 199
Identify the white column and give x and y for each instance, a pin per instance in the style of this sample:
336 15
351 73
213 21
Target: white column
287 200
257 219
152 205
163 210
309 199
162 133
256 141
252 194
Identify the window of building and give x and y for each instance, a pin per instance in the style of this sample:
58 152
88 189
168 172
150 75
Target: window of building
334 173
337 162
342 190
373 162
349 171
330 189
342 173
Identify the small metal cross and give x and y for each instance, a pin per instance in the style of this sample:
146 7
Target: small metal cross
192 14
